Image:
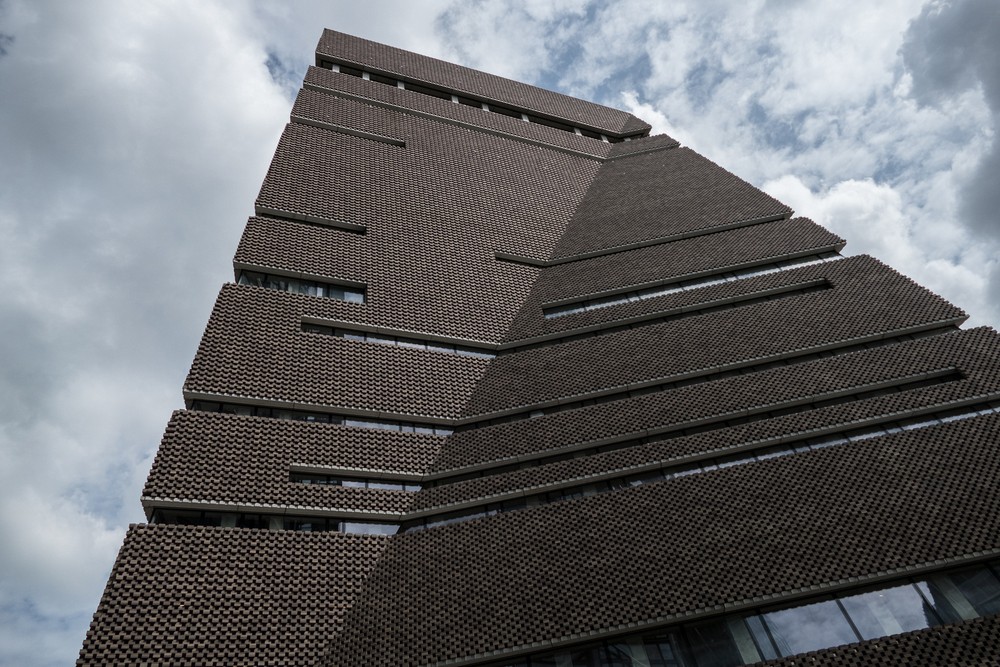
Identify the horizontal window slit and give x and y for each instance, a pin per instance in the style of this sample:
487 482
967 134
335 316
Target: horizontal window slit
685 469
755 635
398 341
300 524
442 94
302 286
719 424
245 410
351 482
595 303
710 377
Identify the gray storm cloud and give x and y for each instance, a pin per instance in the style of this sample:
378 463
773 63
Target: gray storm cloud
949 48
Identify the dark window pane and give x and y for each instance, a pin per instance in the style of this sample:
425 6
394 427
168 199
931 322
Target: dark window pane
889 611
300 525
253 521
277 282
946 600
980 588
506 112
382 79
626 653
548 660
252 278
585 657
667 650
309 327
761 637
809 627
551 123
713 645
424 90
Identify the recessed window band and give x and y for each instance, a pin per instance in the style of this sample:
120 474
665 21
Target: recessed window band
904 605
398 341
316 417
662 290
676 471
302 286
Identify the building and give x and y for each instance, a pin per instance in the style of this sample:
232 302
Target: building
504 380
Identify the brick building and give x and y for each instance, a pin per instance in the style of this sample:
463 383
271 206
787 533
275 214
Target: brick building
504 380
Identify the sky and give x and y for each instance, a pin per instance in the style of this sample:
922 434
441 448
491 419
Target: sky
134 137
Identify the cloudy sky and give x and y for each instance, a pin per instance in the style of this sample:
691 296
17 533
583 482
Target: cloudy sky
134 136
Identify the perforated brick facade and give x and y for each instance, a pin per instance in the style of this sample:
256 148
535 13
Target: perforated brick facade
439 471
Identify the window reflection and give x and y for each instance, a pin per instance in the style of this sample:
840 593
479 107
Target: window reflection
809 628
889 611
742 639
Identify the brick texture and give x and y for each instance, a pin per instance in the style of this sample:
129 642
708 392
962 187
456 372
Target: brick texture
687 544
185 595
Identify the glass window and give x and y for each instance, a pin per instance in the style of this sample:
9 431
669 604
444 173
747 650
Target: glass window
713 645
303 525
305 287
370 528
253 521
252 278
384 486
584 657
382 79
980 588
309 327
809 627
945 599
889 611
761 637
666 650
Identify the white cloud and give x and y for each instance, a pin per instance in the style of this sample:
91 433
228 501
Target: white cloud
871 217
